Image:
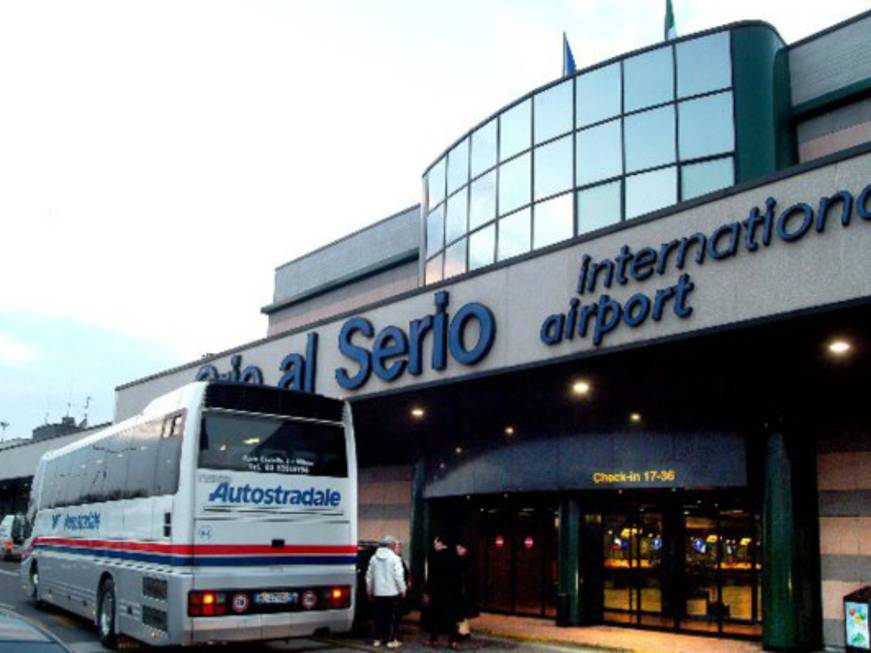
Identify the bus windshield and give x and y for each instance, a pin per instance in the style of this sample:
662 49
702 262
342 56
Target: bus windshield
272 445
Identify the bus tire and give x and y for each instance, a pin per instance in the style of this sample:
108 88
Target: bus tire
106 611
34 585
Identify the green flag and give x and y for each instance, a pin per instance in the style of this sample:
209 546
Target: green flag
670 31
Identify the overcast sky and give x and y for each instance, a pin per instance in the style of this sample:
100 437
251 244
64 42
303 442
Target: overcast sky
158 159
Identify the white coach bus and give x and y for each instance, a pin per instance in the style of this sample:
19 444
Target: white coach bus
223 512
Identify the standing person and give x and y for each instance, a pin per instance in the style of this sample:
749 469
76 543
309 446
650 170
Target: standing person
385 584
441 594
467 606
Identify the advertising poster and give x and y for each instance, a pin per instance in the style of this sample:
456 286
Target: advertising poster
857 625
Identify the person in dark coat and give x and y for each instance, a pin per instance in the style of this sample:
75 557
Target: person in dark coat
441 595
467 605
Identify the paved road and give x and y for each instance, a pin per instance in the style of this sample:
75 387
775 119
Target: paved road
81 635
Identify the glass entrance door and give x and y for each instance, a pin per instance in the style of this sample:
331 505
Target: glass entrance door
723 568
632 551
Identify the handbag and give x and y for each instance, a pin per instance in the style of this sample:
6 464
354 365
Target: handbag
464 628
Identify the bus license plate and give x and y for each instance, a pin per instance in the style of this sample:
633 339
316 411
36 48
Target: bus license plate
275 598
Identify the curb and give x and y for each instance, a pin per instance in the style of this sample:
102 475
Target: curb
552 641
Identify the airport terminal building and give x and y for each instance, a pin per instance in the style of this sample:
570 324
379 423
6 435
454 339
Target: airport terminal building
621 346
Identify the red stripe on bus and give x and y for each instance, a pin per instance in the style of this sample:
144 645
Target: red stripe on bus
198 549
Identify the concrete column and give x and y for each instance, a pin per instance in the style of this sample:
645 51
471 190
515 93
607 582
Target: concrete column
569 552
790 554
419 544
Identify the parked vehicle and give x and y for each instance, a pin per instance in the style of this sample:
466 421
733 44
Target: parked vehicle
223 512
12 536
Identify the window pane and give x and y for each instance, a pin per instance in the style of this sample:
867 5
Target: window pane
435 231
168 457
272 445
74 479
649 138
514 184
118 451
458 165
703 64
142 460
482 207
482 247
700 178
484 148
514 234
514 130
650 191
436 181
600 153
705 126
94 486
455 221
433 271
598 207
598 95
553 112
455 259
553 168
554 221
649 79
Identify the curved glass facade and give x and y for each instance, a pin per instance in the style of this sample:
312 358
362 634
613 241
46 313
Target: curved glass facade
610 144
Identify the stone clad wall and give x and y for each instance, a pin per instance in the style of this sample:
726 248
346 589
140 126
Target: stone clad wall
844 481
384 497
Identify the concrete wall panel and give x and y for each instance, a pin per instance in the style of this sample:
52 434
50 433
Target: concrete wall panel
830 62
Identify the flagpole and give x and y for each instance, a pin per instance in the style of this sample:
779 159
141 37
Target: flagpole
670 30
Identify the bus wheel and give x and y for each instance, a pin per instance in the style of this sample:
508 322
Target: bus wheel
106 614
34 585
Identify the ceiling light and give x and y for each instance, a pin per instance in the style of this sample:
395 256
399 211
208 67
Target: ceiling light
839 347
251 441
635 417
509 430
417 412
458 450
580 388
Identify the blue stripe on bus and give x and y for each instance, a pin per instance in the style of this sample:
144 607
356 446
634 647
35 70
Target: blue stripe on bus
202 561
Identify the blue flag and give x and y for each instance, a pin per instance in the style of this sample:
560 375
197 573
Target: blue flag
568 58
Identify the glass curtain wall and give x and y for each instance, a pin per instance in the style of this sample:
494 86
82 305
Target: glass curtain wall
611 144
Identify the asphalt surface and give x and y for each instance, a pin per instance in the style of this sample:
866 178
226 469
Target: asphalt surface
80 635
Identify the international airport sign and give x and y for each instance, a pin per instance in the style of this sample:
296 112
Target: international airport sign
751 237
465 336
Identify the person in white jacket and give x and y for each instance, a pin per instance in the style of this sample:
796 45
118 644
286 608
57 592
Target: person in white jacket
385 584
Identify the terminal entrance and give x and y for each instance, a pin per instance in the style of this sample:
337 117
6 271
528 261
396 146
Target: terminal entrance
681 561
632 562
688 567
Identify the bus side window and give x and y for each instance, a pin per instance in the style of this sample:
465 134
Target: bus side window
65 489
77 477
168 455
93 487
144 440
117 455
47 498
177 424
